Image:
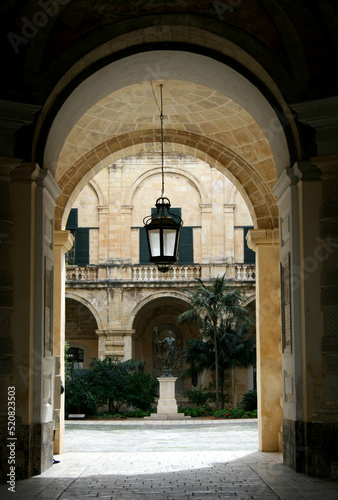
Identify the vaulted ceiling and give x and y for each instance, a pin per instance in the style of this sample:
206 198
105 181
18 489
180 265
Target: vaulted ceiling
287 50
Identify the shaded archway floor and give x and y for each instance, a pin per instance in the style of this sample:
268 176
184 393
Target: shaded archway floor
165 460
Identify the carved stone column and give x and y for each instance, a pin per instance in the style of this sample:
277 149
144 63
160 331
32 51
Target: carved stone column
265 243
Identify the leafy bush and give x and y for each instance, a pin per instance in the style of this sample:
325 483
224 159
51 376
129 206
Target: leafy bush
210 412
142 390
113 382
79 394
199 397
249 401
191 411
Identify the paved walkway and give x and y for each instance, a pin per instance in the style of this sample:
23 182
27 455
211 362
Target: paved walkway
162 460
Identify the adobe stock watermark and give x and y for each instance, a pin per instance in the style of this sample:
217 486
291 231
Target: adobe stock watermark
30 27
11 440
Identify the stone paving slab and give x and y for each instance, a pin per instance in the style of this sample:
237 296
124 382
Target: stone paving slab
140 474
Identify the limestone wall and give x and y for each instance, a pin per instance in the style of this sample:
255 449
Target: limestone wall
115 202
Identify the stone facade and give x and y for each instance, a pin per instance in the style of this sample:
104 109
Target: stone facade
114 302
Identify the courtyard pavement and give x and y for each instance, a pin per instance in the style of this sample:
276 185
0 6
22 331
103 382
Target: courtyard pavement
168 460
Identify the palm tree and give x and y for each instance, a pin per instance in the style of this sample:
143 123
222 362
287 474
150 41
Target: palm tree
235 348
217 309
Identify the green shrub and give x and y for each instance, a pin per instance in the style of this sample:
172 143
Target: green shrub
79 395
249 401
109 382
198 411
199 397
142 391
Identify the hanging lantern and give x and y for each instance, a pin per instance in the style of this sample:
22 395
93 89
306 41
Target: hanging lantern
163 228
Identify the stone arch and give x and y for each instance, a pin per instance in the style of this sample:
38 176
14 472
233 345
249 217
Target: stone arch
100 195
173 294
178 65
198 186
85 302
262 66
249 299
232 194
251 184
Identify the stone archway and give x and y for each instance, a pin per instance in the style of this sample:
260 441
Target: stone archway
254 178
160 311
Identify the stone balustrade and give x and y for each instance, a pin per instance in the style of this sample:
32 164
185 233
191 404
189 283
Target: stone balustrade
146 273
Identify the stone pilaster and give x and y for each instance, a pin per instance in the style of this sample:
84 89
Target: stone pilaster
115 227
329 278
127 214
206 219
269 366
6 280
6 303
63 242
22 202
128 346
229 241
47 191
103 233
318 432
299 192
115 344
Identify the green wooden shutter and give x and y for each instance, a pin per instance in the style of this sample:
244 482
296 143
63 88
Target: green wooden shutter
249 255
173 210
82 246
72 219
186 247
144 249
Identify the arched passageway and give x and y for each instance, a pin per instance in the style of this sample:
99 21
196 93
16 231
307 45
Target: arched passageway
95 107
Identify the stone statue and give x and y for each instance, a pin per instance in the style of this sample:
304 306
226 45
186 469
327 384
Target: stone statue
170 354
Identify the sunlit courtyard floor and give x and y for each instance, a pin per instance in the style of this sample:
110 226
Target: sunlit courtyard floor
168 460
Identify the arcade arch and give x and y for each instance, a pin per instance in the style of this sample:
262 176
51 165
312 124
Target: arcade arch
80 328
253 167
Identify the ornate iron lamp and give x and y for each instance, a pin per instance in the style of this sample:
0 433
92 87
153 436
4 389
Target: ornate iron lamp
163 228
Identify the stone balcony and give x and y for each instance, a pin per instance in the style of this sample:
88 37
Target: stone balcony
142 274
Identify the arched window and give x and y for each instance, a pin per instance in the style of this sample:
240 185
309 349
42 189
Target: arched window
76 357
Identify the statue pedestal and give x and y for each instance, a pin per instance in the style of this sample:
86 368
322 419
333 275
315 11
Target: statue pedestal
167 405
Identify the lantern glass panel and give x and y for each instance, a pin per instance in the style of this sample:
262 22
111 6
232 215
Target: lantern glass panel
169 238
154 240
